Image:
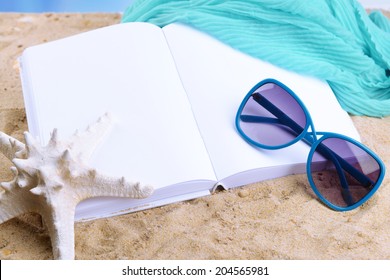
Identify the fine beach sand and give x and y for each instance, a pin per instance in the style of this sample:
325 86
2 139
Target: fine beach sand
277 219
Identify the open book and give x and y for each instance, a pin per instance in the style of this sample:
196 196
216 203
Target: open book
173 93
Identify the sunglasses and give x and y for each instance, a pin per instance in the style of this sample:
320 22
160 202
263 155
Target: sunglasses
342 172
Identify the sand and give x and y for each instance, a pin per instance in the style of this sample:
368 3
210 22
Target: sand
276 219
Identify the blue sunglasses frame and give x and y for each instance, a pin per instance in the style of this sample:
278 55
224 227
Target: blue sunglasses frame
311 138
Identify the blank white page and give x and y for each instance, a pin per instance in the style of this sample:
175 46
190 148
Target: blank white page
217 78
127 70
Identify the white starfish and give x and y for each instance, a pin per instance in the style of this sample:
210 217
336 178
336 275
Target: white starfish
51 180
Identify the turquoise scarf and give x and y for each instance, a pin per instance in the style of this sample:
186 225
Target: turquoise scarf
334 40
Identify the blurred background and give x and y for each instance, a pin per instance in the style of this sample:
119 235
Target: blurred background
38 6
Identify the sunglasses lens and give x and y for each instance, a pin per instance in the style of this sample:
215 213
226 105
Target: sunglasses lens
342 172
262 124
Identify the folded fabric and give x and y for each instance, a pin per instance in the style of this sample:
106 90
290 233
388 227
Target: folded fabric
336 41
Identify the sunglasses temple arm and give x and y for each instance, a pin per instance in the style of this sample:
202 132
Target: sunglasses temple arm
330 155
258 119
286 120
282 117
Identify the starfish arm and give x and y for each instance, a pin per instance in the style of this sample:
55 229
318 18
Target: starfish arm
92 184
14 202
84 143
60 225
11 147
